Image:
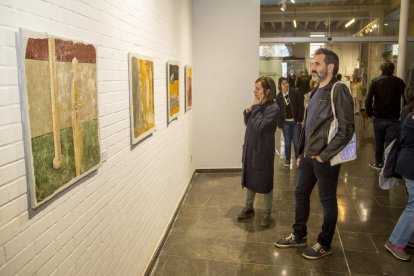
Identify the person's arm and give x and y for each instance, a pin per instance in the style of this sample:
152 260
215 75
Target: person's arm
247 113
264 119
344 108
369 100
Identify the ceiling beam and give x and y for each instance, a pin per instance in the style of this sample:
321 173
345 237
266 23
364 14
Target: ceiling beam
344 39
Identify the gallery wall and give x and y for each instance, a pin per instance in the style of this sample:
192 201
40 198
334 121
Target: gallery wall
226 64
110 222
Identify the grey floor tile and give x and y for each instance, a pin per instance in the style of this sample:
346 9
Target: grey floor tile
186 266
288 271
357 241
242 252
254 270
377 264
186 246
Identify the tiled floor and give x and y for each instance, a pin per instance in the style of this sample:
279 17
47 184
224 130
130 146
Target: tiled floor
207 239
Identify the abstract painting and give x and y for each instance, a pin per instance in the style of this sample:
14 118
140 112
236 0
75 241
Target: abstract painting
141 86
188 87
173 96
60 112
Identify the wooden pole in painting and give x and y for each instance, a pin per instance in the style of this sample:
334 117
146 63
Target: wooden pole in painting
75 119
58 159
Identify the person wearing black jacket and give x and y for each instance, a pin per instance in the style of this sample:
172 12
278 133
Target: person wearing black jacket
291 106
315 153
403 234
383 105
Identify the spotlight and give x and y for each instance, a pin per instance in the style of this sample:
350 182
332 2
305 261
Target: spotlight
350 22
294 22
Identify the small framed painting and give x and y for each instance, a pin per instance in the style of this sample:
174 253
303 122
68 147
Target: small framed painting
188 87
141 90
173 91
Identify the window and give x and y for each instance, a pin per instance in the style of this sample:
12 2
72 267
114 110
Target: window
315 46
273 50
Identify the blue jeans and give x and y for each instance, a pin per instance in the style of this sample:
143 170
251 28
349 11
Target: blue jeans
310 173
404 229
291 132
385 131
268 200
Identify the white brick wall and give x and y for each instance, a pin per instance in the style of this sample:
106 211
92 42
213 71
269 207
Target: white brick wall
112 222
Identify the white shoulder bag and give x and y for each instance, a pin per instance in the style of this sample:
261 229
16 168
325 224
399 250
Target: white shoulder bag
348 153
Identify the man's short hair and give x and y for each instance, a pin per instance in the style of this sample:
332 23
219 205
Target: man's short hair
387 68
330 58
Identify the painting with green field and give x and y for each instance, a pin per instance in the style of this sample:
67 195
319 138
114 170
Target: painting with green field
60 113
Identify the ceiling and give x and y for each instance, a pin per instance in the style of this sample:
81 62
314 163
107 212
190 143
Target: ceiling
328 17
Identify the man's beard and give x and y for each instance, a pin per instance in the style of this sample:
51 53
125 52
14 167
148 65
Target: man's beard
318 77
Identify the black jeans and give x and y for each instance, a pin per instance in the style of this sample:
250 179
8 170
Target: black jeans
310 173
385 131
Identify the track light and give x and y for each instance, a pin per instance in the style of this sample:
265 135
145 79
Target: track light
283 8
294 23
350 22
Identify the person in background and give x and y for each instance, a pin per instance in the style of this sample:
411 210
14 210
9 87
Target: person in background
290 102
356 89
258 156
302 83
315 153
403 234
383 105
292 79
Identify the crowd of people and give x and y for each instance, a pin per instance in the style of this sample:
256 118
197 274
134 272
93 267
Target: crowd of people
304 110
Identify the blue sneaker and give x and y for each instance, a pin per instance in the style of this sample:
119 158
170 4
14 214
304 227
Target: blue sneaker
316 252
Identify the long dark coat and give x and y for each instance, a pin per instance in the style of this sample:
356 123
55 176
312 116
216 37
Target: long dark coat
259 147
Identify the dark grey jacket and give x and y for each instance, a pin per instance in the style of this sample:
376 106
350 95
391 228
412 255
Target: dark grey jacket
259 147
318 141
405 157
296 102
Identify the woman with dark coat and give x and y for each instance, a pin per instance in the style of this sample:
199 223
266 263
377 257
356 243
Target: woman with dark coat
261 120
403 234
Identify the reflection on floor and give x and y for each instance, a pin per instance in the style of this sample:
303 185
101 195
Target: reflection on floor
207 239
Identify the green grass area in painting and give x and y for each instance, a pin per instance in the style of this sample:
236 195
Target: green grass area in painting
48 179
91 151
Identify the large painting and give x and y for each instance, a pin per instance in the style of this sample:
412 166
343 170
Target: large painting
60 112
141 86
173 96
188 87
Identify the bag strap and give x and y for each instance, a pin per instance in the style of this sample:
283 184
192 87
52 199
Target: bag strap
332 102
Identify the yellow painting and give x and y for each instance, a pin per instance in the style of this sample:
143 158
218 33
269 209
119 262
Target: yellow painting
173 96
60 112
141 70
188 87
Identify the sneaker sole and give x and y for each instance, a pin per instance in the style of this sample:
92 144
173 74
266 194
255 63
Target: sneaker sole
290 245
245 217
375 168
393 253
315 258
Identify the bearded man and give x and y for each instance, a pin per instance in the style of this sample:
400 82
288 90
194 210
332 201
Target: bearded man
315 153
